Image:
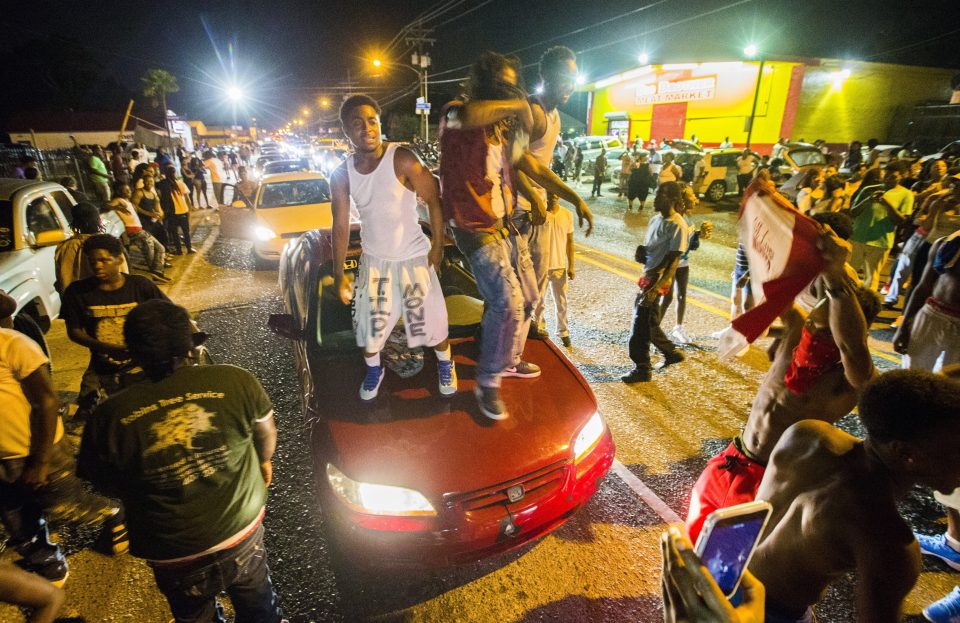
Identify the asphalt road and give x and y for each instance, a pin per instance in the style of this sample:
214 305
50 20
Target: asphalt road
603 565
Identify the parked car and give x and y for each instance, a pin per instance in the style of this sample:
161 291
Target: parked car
591 146
35 217
720 173
947 152
422 480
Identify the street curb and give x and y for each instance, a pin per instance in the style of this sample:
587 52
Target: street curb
174 291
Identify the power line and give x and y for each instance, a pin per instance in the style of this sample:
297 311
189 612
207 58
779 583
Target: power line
914 45
568 34
664 27
468 11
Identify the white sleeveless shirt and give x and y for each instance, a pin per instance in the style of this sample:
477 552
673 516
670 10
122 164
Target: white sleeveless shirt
389 224
542 150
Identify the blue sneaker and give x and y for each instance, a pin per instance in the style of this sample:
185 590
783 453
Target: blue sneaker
371 382
936 545
447 372
947 610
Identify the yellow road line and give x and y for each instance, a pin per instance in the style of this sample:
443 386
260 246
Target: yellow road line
720 312
632 264
633 279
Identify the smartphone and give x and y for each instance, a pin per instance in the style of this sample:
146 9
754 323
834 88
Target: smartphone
728 540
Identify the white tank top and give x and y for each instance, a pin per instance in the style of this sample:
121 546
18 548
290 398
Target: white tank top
542 150
389 225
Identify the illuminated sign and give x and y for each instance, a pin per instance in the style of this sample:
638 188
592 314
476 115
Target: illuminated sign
665 91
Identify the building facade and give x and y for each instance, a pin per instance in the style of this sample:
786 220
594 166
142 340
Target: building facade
808 99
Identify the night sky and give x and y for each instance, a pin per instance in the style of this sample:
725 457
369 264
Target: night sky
288 54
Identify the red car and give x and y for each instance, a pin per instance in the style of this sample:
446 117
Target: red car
414 478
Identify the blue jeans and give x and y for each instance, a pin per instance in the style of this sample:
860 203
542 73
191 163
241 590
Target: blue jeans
191 588
504 273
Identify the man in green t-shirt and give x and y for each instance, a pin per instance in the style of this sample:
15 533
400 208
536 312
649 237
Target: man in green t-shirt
875 220
188 451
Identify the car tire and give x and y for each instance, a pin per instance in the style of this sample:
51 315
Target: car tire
716 191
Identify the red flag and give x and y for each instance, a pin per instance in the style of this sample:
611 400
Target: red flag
781 247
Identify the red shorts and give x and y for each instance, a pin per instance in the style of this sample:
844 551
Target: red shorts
730 478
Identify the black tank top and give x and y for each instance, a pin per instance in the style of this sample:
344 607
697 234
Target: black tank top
148 204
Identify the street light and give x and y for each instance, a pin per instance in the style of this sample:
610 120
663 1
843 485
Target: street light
235 94
644 58
324 102
581 79
420 62
750 51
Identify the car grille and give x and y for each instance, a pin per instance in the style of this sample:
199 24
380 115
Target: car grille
537 486
295 234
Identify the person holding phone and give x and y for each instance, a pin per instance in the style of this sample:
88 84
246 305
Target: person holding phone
691 595
834 498
821 362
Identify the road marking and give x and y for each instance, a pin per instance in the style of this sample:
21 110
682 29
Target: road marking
632 264
633 279
646 494
692 301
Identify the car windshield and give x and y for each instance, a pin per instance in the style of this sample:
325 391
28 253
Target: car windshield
804 157
6 226
294 193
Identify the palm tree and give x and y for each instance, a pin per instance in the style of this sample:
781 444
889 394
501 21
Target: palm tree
157 83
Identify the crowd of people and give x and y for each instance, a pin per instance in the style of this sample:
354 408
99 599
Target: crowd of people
195 513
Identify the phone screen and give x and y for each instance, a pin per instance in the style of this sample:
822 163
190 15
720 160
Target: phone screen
729 546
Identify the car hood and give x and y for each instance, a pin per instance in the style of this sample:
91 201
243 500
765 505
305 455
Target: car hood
296 219
411 436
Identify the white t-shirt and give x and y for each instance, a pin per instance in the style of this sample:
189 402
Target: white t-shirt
665 235
19 358
129 216
216 169
557 227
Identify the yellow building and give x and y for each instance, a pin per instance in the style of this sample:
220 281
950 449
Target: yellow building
837 101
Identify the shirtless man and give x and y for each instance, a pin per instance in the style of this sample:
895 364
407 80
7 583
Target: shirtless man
834 498
931 329
819 368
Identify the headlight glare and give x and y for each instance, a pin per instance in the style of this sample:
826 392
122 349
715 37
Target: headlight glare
588 437
264 234
377 499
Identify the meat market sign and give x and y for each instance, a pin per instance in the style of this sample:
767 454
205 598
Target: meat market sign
665 91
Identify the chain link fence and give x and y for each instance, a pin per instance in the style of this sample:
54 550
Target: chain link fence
52 163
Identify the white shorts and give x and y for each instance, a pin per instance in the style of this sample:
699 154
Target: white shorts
385 290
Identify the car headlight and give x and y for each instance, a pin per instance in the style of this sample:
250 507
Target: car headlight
378 499
588 437
263 233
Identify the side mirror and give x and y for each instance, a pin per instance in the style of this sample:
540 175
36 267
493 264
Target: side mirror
285 326
46 238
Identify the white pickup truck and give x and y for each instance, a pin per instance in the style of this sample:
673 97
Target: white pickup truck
34 218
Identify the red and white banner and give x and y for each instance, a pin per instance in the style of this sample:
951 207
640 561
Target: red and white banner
781 247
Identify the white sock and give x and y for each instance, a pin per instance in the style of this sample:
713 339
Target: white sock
373 360
443 355
953 543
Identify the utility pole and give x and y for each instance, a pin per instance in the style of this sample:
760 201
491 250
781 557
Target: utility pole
421 63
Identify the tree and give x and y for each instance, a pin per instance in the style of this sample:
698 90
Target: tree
157 83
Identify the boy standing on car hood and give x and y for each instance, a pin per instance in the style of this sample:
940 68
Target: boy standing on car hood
398 267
